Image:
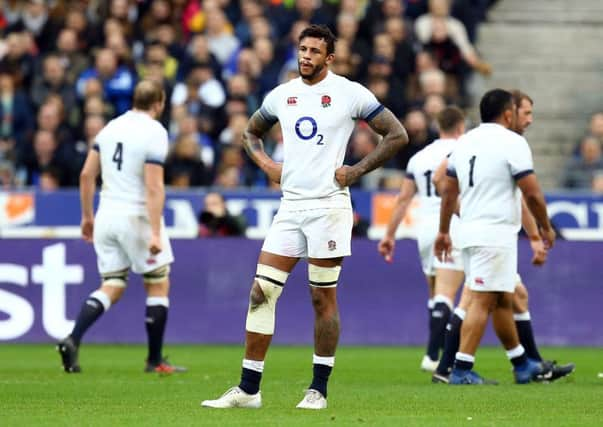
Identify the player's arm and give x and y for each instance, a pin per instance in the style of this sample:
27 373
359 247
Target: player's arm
449 193
403 199
88 176
534 199
438 179
531 228
256 128
394 137
155 197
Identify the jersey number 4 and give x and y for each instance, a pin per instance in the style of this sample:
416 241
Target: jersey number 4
118 155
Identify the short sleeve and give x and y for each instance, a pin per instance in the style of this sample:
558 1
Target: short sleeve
269 108
451 167
158 148
520 159
365 105
410 168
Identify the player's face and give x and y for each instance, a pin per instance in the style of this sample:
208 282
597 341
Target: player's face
524 116
312 57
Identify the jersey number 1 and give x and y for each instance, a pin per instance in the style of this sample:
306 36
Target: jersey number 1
471 167
118 155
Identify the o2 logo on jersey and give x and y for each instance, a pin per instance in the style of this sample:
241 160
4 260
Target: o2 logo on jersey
306 129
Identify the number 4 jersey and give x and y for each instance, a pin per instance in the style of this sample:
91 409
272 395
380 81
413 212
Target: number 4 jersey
317 121
487 161
125 144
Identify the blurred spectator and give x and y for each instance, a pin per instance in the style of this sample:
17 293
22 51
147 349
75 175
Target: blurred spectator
362 143
222 42
228 177
197 52
15 116
50 179
419 136
597 185
188 125
216 221
447 38
44 155
157 54
7 175
183 167
579 172
433 105
53 81
74 61
201 90
270 66
250 11
233 133
347 29
18 59
118 81
239 86
35 19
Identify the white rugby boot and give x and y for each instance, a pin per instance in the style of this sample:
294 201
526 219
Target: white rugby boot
429 365
313 400
235 398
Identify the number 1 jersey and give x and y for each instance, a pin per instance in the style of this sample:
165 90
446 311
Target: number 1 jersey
317 121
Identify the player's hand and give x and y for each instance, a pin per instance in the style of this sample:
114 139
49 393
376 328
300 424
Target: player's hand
345 176
274 171
386 248
548 237
87 227
155 245
538 250
443 247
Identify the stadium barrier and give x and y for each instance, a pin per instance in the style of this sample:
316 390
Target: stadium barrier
43 283
57 214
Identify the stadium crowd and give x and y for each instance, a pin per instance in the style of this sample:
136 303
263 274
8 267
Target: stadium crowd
69 66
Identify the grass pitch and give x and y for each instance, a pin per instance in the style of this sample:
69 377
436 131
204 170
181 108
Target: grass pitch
369 386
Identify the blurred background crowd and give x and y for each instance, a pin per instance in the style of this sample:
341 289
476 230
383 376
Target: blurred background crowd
69 66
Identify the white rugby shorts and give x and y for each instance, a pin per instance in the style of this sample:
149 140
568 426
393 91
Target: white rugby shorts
426 235
312 233
490 269
122 241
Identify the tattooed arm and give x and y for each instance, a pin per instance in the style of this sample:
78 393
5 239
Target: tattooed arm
252 142
394 137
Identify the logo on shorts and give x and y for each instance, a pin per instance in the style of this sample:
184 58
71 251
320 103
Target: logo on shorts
332 245
479 281
151 261
325 101
292 100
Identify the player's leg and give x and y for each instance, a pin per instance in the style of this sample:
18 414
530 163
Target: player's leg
523 323
430 359
448 287
323 276
97 303
328 233
157 287
271 275
484 267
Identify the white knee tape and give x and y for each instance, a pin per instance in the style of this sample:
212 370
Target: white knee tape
323 277
261 317
117 279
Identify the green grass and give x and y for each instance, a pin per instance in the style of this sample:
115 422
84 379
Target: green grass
369 386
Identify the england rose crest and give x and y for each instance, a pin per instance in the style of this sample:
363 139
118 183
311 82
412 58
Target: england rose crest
325 101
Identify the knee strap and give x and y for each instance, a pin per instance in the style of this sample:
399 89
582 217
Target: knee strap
261 317
323 277
158 275
117 279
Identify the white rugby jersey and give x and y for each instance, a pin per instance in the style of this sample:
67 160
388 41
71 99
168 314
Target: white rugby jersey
487 161
317 121
421 168
125 144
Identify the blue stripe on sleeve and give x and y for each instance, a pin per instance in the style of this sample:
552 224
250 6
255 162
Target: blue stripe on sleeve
451 173
373 113
96 148
410 175
270 119
154 162
521 174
